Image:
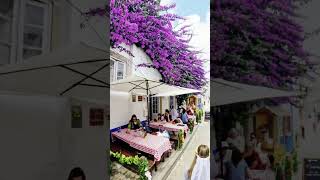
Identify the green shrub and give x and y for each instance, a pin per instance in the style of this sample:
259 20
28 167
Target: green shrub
141 162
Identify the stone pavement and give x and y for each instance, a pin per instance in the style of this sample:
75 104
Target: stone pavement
121 173
202 136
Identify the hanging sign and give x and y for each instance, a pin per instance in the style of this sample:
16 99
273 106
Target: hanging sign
96 117
311 169
76 117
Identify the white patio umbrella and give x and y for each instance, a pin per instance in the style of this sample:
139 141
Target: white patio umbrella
227 92
148 86
78 70
177 92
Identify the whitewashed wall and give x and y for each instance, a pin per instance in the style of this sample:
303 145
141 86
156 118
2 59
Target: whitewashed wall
66 24
165 104
85 147
29 137
121 105
36 132
119 109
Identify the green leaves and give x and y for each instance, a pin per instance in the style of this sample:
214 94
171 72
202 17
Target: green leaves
180 139
141 162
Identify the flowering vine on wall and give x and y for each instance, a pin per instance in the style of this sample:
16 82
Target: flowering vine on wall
257 42
148 25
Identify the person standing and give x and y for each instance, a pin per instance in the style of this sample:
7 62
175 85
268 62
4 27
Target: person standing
237 168
253 142
200 167
235 140
173 113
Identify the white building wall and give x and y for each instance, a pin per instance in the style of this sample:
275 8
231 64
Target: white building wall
119 109
38 127
165 104
29 134
121 105
85 147
36 131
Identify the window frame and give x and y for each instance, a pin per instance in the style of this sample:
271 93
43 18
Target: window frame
11 44
124 70
46 41
16 42
155 106
115 70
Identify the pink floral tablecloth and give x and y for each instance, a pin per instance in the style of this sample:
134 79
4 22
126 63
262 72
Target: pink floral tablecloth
151 144
168 126
122 135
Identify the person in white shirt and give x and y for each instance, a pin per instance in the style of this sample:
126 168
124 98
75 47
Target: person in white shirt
200 167
174 113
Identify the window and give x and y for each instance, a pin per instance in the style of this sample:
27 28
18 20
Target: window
171 103
35 29
155 105
117 70
24 29
6 24
120 70
112 64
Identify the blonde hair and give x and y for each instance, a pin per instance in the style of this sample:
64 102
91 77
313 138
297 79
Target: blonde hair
203 151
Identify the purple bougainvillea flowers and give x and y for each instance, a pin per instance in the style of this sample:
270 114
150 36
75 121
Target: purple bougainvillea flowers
257 42
148 25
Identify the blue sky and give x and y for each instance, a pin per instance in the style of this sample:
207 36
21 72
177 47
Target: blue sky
196 13
189 7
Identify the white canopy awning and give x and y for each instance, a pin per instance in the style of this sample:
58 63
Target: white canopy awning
155 87
226 92
177 92
78 71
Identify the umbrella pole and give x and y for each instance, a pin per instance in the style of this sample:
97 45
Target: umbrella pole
148 106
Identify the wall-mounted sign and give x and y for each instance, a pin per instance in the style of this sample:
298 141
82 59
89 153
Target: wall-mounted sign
96 117
140 98
76 117
311 169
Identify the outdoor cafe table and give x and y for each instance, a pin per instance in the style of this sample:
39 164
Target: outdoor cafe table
151 144
168 126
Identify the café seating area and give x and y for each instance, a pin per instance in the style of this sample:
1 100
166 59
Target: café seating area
154 146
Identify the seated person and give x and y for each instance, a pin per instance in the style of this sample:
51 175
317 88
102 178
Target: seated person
167 116
177 121
159 118
134 123
184 117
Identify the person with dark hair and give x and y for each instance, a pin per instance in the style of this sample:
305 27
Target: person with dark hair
253 142
167 116
134 123
77 174
237 168
159 117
